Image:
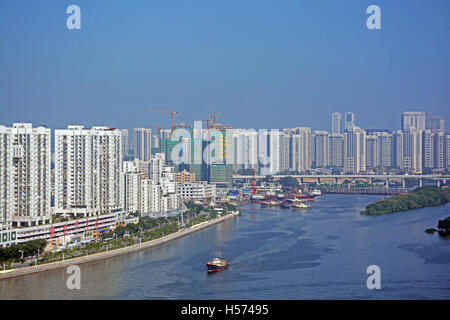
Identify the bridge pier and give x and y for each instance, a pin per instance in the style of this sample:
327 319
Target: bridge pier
387 183
420 182
438 183
404 183
318 181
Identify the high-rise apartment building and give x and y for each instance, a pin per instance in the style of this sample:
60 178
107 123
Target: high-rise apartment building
373 151
125 143
336 119
88 171
413 119
412 149
427 149
439 149
301 148
25 155
337 150
447 151
349 120
322 149
355 150
434 123
142 144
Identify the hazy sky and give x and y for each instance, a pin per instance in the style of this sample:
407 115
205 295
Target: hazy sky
263 64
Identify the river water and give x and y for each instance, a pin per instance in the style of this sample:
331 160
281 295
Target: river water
322 253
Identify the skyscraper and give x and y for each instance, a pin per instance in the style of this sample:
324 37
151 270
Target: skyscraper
434 123
349 120
373 151
413 119
25 175
447 151
301 148
336 123
412 149
337 150
355 150
142 144
322 149
427 149
125 143
438 148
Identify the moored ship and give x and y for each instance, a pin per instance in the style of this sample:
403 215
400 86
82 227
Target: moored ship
300 205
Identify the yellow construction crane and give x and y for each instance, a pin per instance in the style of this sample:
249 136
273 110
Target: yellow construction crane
171 112
213 117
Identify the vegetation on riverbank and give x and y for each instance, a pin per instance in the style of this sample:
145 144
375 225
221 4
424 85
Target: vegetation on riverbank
20 251
146 229
415 199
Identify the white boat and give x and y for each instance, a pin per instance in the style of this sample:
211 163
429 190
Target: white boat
316 193
300 205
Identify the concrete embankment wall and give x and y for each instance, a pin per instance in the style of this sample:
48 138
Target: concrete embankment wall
114 252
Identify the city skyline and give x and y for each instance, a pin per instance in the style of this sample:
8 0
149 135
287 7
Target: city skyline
284 63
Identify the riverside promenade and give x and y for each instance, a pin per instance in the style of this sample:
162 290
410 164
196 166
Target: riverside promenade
115 252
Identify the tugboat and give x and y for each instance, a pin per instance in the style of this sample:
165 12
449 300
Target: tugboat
217 263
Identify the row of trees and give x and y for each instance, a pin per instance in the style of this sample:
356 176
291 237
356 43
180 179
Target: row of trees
144 224
416 199
16 252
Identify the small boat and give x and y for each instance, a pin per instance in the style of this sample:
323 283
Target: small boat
217 263
300 205
316 193
285 205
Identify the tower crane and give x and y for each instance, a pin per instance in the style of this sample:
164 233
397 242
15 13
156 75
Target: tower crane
213 117
171 112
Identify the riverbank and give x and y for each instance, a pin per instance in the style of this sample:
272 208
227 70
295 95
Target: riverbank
415 199
115 252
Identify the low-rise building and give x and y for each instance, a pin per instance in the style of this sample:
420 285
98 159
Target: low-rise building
197 190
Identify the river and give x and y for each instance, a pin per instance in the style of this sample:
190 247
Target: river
321 253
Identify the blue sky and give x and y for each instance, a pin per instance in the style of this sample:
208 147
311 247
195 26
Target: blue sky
264 64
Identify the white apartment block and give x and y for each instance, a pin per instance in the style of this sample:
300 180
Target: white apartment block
157 194
157 163
447 151
373 151
243 153
355 150
322 149
88 171
132 192
301 149
337 150
136 166
198 190
25 156
142 144
125 142
412 149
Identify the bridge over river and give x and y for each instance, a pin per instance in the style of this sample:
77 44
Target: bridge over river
368 177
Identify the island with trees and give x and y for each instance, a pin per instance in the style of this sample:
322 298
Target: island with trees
428 196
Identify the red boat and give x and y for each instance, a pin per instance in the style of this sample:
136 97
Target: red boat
217 264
